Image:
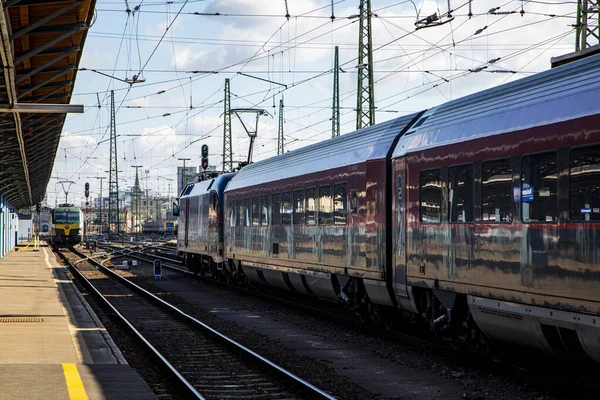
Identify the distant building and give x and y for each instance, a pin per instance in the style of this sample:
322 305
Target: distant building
210 168
97 202
184 178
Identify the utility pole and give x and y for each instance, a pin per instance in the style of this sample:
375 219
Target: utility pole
170 206
365 108
227 147
280 130
147 198
335 111
147 204
113 178
184 174
587 30
101 200
136 189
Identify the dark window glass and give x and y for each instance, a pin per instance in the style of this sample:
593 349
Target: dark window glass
241 221
496 191
460 195
325 205
431 196
311 206
539 188
256 211
340 204
298 207
248 209
276 210
354 202
400 209
585 184
286 208
73 216
232 212
60 217
264 210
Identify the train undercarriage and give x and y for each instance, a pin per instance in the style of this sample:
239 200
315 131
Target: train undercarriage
445 314
461 321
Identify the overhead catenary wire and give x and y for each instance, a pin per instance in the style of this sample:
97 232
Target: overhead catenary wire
293 44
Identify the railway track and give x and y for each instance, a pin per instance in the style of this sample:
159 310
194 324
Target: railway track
205 363
534 367
329 312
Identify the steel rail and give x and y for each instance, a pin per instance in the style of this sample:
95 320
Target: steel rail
180 379
315 392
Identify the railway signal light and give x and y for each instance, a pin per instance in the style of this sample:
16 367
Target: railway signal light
87 189
204 156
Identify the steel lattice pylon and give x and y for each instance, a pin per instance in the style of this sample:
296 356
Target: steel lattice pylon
113 176
587 26
227 148
280 129
335 111
365 108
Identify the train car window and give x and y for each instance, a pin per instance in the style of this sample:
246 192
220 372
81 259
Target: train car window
325 205
276 210
232 212
255 211
299 207
460 195
585 184
399 210
264 214
340 204
241 221
430 194
248 209
72 216
60 217
539 188
496 191
213 200
311 206
354 202
286 208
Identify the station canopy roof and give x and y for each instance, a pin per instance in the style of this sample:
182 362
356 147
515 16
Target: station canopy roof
41 42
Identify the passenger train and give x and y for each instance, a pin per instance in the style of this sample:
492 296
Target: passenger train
160 227
480 217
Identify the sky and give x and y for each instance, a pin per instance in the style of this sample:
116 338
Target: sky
182 52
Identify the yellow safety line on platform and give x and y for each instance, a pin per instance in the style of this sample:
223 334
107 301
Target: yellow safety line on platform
74 384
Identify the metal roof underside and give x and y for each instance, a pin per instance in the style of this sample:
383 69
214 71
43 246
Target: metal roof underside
40 50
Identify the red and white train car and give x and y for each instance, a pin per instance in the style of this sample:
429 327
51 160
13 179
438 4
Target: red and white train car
481 215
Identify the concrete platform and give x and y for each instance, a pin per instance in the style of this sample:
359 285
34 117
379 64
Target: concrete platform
52 345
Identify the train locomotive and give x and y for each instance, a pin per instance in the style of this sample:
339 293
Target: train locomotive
479 217
200 233
67 224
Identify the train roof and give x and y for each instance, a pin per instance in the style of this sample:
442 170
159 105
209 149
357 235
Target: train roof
371 143
198 188
62 207
560 94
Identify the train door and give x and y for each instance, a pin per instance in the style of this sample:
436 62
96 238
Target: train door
399 228
187 221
